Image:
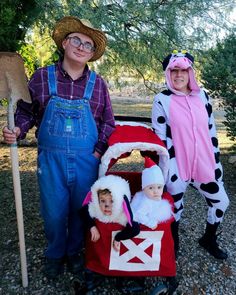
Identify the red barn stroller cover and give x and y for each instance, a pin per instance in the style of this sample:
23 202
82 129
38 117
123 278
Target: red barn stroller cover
151 253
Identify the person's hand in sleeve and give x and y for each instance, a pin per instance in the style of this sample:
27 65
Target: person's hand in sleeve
97 155
116 245
95 235
10 136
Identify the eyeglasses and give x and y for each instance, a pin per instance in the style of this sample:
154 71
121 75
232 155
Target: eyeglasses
76 42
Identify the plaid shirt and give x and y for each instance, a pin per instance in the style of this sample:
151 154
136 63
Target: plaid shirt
29 115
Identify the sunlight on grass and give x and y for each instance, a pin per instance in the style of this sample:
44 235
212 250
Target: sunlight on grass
138 109
134 163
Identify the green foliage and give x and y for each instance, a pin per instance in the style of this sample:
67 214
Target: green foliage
142 33
15 18
18 16
4 102
219 75
38 50
28 54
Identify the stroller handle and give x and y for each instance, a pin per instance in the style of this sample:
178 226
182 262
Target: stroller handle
133 118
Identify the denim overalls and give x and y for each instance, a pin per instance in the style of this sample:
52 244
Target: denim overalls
67 167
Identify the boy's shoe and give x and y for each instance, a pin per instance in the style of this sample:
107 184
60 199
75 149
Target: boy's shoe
53 267
75 263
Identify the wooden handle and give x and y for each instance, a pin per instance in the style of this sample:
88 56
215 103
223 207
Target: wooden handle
18 197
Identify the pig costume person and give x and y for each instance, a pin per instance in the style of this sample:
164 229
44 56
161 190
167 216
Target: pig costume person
182 117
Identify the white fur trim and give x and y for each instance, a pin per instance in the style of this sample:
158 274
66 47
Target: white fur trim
157 211
118 188
164 211
116 150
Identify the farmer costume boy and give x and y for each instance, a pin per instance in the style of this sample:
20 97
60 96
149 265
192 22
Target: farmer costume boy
72 111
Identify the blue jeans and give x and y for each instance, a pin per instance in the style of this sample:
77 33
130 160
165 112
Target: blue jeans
64 182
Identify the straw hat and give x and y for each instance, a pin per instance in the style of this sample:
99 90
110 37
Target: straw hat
72 24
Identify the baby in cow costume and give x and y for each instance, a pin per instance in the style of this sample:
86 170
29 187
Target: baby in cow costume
182 117
147 205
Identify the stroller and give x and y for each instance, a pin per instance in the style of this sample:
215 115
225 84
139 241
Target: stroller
151 253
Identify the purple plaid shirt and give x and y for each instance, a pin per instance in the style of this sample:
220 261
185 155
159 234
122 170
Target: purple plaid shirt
29 115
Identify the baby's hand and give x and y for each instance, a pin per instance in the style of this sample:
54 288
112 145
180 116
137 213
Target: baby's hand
95 235
154 227
116 245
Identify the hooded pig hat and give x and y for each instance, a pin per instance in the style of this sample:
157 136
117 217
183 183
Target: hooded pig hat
181 60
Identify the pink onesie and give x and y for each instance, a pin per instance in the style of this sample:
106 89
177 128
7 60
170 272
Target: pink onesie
191 140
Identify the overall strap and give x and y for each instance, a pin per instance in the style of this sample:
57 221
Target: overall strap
90 86
52 82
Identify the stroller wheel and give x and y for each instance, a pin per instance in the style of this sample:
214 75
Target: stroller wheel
160 289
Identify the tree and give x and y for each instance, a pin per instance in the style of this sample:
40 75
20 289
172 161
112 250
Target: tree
219 76
24 27
141 33
38 50
15 18
18 16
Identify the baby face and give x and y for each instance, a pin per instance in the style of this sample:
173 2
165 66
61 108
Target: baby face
154 191
105 203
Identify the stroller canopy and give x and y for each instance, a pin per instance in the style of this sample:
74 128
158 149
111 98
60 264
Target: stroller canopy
129 136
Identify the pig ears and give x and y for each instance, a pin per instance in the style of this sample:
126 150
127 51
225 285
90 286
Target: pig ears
87 199
127 210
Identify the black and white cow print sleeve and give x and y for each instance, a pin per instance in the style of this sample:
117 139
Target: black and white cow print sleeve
159 121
